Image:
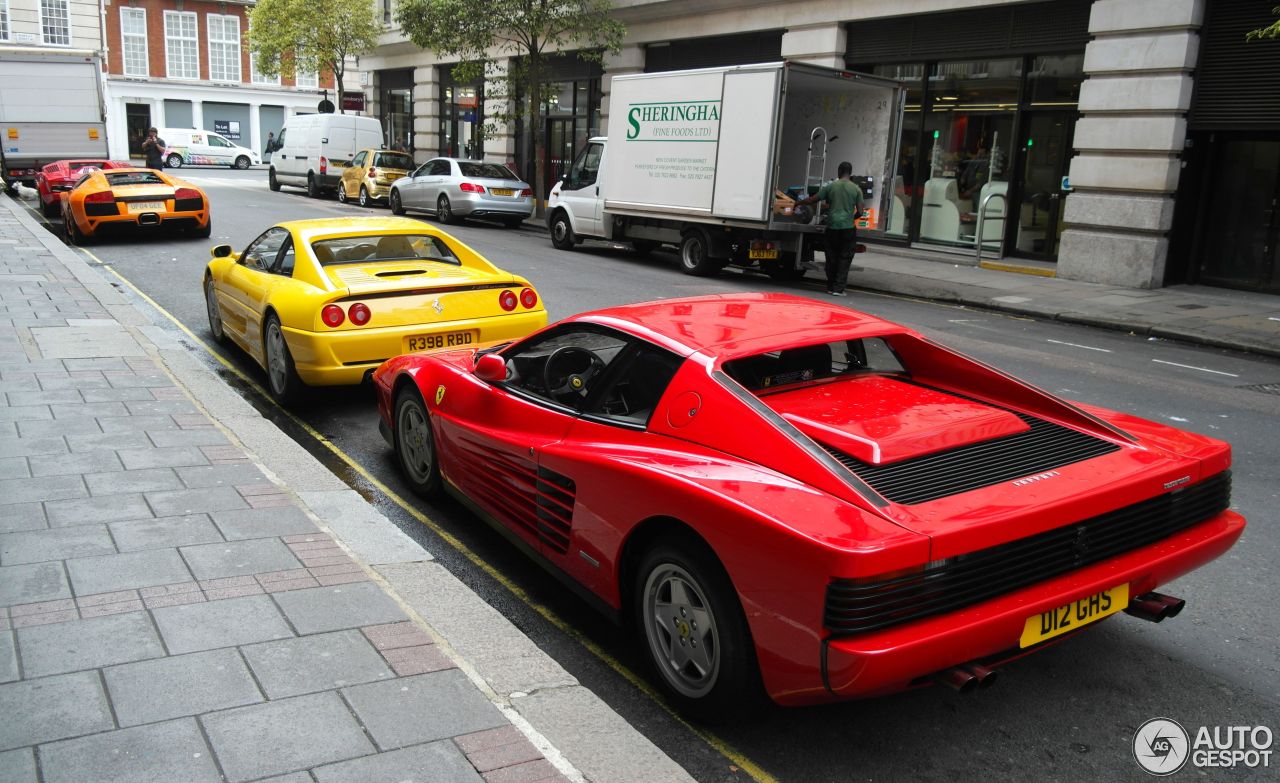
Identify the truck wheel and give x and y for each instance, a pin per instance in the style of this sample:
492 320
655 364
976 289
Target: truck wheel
174 161
562 237
313 190
272 182
695 254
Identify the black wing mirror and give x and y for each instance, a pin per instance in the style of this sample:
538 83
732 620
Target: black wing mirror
220 251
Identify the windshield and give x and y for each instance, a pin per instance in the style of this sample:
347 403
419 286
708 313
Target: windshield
387 247
485 170
134 178
393 160
813 362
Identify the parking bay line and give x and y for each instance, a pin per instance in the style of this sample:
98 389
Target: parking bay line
1193 367
748 766
1076 345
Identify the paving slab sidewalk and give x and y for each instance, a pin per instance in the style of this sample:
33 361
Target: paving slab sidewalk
186 594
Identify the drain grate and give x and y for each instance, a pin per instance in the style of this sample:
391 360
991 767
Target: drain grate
1265 388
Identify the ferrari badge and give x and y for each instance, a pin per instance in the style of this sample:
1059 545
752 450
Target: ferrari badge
439 394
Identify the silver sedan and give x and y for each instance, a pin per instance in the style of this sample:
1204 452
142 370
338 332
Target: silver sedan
453 189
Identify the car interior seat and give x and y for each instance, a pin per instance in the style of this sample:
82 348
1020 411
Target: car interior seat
395 246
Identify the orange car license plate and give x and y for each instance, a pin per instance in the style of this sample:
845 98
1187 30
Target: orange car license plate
1056 622
435 342
145 206
502 191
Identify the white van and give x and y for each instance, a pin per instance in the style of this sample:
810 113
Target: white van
190 147
314 149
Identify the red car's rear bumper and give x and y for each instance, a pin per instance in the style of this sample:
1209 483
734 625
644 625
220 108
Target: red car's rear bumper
896 658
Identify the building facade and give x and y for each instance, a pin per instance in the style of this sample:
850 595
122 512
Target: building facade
186 64
1127 142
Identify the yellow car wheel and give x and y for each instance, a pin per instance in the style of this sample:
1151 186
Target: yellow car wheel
282 377
342 193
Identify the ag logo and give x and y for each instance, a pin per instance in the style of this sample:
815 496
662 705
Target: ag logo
1161 746
439 394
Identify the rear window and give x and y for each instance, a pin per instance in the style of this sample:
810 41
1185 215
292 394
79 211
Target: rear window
485 170
387 247
134 178
813 362
394 160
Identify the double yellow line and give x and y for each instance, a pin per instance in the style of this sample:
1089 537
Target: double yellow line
742 762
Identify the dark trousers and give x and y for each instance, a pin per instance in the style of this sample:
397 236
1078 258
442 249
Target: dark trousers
840 247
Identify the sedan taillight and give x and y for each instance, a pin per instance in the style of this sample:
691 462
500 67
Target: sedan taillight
507 300
332 316
471 187
527 192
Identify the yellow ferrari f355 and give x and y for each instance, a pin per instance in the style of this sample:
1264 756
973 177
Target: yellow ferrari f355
324 302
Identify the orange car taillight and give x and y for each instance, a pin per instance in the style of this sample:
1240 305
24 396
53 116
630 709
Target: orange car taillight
507 300
100 197
528 298
332 316
186 193
471 187
359 314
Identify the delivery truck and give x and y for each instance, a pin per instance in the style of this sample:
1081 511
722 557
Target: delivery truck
712 161
50 109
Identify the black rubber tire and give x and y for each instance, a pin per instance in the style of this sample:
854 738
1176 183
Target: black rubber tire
202 232
444 211
393 200
242 162
173 161
735 688
644 246
365 200
423 479
342 193
272 182
313 190
213 311
50 210
695 254
285 387
562 236
73 233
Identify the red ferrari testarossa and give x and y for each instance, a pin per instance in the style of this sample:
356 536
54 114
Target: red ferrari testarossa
791 496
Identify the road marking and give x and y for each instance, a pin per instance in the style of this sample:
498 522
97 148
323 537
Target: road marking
723 748
1201 369
1075 345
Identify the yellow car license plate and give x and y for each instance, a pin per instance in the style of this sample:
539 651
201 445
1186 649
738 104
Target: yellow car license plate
145 206
434 342
762 254
502 191
1056 622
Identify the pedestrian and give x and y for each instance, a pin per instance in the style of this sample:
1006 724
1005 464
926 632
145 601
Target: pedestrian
154 149
844 206
271 145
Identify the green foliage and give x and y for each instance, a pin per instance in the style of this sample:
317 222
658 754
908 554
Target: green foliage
510 44
1272 31
287 36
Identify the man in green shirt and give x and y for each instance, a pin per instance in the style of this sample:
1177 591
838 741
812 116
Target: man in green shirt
844 205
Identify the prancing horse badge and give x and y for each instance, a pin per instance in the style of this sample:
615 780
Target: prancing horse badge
439 394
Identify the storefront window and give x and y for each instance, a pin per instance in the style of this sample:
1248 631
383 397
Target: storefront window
571 113
461 121
907 187
397 116
1055 81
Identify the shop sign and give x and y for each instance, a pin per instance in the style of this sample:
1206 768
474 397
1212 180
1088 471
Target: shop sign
353 101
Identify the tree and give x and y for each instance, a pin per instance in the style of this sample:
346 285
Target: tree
1272 31
287 36
509 43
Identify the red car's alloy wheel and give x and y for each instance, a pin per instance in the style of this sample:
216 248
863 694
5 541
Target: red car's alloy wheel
415 444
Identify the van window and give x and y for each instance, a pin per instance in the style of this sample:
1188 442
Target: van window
280 138
218 141
586 167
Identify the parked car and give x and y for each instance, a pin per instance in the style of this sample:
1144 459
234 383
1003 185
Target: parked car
54 178
453 189
325 301
371 174
132 198
787 496
313 150
190 147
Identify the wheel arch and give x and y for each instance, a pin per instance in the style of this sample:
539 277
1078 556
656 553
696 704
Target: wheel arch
568 214
643 537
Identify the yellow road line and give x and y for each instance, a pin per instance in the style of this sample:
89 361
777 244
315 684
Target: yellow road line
723 748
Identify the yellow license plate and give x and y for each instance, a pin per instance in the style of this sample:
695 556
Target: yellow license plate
1064 619
145 206
767 255
502 191
435 342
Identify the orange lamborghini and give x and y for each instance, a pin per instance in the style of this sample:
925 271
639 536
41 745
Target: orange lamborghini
112 199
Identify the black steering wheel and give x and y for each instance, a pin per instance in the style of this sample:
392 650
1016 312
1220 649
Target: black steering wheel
581 366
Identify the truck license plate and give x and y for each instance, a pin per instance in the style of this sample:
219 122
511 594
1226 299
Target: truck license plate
434 342
765 255
1056 622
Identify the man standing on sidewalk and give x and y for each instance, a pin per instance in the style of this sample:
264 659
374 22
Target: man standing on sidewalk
154 149
844 204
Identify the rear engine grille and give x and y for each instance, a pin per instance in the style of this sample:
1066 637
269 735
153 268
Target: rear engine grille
537 499
918 480
856 607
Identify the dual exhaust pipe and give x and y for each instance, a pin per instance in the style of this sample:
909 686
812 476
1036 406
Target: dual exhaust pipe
1154 607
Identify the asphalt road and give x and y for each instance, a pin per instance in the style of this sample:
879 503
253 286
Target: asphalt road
1066 713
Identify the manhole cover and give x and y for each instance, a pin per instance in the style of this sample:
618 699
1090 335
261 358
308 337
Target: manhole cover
1265 388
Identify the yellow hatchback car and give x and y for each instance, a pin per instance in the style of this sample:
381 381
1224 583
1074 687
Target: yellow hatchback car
368 179
324 302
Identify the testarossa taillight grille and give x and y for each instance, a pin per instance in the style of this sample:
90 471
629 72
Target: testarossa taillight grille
856 606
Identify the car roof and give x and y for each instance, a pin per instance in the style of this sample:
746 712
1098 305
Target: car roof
732 325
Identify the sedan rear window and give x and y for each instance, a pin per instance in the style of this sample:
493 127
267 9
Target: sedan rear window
134 178
485 170
813 362
387 247
394 160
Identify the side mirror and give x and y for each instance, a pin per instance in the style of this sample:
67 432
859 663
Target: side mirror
491 368
220 251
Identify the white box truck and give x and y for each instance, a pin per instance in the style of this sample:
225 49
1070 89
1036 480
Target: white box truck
708 160
50 109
